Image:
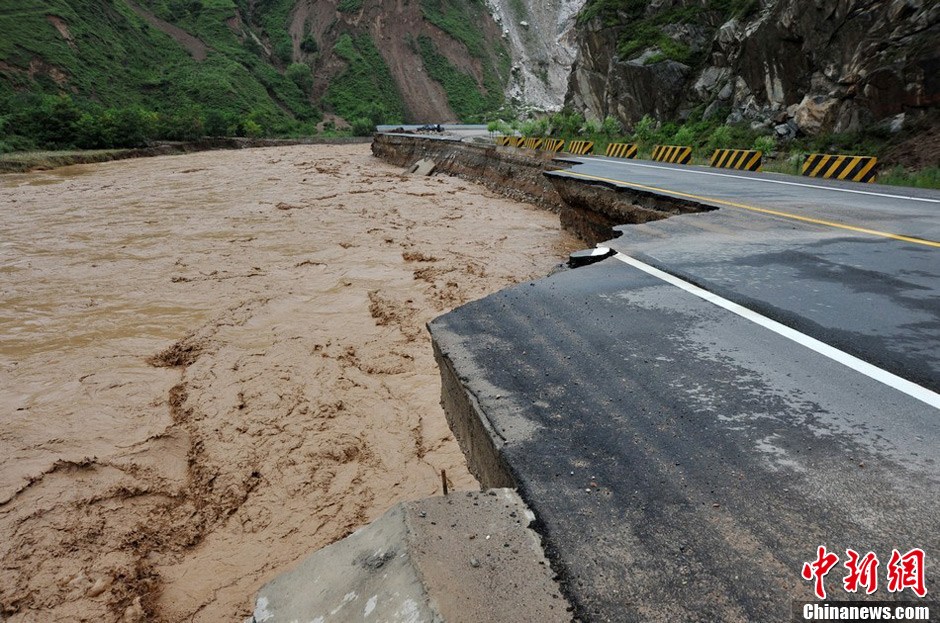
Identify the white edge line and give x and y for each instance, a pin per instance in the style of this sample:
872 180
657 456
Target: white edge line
882 376
769 181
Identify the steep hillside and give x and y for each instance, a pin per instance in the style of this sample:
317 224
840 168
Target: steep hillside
445 58
245 66
164 56
794 65
541 40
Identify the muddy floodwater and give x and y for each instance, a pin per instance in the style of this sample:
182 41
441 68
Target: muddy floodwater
212 365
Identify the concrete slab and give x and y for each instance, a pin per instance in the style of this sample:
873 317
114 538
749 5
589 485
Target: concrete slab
466 557
423 167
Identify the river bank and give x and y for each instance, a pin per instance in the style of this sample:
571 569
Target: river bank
23 162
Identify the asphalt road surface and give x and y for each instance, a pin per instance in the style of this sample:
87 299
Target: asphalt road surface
686 456
449 131
855 265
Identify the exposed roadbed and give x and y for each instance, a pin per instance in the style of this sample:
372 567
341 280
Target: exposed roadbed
684 461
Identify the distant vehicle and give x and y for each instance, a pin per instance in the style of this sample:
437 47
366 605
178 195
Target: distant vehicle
432 127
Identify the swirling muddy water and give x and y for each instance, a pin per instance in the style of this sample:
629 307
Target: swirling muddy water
212 365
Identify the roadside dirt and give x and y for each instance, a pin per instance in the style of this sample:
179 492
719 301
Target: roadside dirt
918 152
214 364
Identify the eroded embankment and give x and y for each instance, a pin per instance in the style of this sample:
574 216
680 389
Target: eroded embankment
592 209
589 209
517 174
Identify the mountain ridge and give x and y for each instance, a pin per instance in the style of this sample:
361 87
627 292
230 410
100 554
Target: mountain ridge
279 64
784 69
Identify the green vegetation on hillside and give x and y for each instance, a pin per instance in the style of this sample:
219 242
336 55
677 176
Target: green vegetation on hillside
108 73
349 6
118 66
463 95
365 90
273 16
519 10
470 100
460 20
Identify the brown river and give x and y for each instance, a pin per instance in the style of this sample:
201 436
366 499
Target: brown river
212 365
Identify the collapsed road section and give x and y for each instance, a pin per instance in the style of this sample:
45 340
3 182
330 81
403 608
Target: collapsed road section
685 461
589 210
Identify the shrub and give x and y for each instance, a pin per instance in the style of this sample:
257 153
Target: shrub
251 128
534 127
309 44
349 6
183 125
566 123
300 74
645 129
362 127
720 139
91 133
765 143
684 136
899 176
131 127
218 123
610 127
14 142
284 50
51 121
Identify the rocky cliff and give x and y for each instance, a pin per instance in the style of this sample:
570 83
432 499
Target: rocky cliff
805 66
541 39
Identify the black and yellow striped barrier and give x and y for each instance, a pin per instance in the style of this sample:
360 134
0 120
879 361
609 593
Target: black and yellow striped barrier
506 141
533 142
742 159
676 154
553 144
580 148
851 168
621 150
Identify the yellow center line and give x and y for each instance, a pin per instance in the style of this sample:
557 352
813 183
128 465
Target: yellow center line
743 206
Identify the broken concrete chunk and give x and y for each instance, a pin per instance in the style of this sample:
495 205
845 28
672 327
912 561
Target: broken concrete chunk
411 565
423 167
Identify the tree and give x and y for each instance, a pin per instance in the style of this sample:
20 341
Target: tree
362 127
610 127
309 44
284 50
218 123
300 74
